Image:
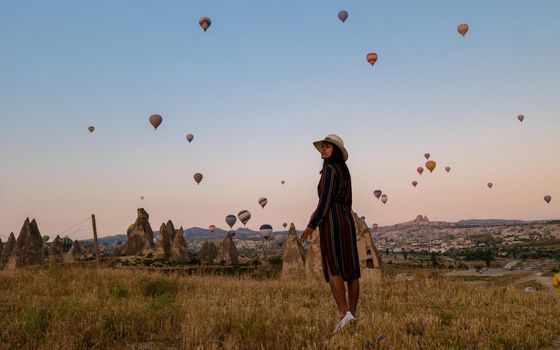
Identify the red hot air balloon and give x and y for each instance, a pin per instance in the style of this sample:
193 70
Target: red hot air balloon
414 183
548 198
342 15
371 58
420 170
197 177
204 22
212 228
463 28
384 198
155 120
244 216
427 155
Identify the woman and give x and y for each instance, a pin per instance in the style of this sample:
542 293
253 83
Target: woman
333 216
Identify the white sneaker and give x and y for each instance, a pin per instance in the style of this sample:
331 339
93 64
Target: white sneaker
348 318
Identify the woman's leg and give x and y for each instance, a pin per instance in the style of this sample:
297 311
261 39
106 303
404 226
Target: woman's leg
353 294
338 291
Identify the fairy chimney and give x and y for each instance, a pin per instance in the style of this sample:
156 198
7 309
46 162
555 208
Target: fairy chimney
370 261
164 240
57 247
29 248
313 263
7 250
293 258
140 236
208 252
228 254
179 251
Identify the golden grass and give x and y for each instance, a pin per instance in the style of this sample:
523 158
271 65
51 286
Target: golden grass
77 308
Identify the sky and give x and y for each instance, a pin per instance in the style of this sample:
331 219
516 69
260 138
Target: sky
265 81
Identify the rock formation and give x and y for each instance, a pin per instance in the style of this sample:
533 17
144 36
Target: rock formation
140 236
29 248
313 263
208 252
165 238
370 262
228 254
56 247
1 248
294 257
7 250
179 251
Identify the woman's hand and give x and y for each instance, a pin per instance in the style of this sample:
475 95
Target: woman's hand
306 234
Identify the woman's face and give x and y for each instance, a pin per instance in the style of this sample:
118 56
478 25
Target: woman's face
326 150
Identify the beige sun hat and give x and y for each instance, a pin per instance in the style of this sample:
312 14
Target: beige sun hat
335 140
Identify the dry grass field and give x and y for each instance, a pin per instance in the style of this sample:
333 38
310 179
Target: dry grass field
82 308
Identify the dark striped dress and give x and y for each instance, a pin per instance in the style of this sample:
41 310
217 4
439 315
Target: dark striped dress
334 218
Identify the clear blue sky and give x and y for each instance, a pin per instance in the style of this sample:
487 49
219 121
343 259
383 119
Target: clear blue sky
256 89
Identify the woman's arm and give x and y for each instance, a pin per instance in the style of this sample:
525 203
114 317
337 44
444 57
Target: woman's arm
326 197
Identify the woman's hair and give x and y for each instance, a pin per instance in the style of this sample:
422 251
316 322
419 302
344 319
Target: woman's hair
338 158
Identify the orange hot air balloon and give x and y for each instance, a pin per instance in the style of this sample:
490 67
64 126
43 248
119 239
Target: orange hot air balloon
155 120
430 165
420 170
490 185
463 28
205 22
371 58
447 168
520 117
427 155
414 183
548 198
197 177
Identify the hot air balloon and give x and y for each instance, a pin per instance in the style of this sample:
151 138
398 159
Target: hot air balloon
283 182
521 117
190 137
155 120
263 201
212 228
547 198
244 216
197 177
377 193
490 185
342 15
371 58
231 220
265 231
430 165
384 198
204 22
448 169
90 129
463 28
142 198
427 155
420 170
414 183
285 224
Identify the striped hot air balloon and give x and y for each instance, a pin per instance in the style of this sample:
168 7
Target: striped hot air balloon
371 58
197 177
244 216
263 201
265 231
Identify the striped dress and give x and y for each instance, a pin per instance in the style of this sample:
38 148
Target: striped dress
334 218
